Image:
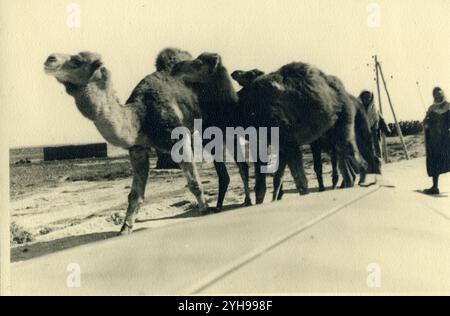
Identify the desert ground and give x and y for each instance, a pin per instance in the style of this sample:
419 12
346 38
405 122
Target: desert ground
60 205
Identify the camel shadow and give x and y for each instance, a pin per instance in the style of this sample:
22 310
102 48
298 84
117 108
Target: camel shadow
313 190
27 252
436 196
192 213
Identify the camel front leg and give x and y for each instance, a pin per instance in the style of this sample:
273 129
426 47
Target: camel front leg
140 167
194 184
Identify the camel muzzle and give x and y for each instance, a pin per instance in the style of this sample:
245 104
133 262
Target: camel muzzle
54 62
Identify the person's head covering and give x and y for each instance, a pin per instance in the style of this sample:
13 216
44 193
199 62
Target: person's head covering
366 97
438 99
437 89
438 95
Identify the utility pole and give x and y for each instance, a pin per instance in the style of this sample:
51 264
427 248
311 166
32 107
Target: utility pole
383 135
397 125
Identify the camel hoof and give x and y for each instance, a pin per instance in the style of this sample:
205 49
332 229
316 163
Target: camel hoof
304 192
247 202
126 230
347 185
210 210
322 189
335 183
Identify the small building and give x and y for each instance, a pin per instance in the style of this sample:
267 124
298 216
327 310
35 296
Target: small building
75 152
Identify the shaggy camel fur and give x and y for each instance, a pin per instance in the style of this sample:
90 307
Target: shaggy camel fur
218 100
305 104
245 78
164 64
156 106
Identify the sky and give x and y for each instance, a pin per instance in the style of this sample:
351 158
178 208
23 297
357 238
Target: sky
340 37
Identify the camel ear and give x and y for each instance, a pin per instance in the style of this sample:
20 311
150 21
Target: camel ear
213 60
236 75
98 71
257 73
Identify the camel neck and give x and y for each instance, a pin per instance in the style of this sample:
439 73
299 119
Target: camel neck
117 123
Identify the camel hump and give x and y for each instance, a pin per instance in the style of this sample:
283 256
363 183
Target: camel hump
299 71
335 82
168 57
157 88
300 78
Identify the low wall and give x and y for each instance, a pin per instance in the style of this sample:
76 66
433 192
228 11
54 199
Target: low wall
75 152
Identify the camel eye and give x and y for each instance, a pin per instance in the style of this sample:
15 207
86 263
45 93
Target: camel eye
197 64
75 63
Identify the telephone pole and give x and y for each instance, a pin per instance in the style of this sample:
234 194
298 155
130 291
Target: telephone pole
383 135
379 71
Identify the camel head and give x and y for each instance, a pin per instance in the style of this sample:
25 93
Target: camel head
75 70
169 57
202 70
245 78
207 76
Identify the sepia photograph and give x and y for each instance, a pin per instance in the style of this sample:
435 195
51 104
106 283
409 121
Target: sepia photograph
203 149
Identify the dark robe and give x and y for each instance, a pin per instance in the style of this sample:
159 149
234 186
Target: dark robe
437 140
377 126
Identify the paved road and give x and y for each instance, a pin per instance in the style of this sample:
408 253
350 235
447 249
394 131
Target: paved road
375 240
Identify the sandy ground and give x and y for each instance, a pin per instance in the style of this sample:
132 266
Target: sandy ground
68 214
364 241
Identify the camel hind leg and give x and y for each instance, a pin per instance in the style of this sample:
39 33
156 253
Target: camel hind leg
260 183
224 182
278 180
367 141
140 166
194 184
295 163
316 150
245 176
348 163
349 158
335 173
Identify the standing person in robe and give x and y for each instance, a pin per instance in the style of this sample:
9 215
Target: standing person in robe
377 123
437 139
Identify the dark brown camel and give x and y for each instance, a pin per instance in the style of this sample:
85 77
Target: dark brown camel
164 64
245 78
305 104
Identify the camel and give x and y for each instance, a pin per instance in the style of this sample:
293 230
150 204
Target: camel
165 61
245 78
306 104
157 105
209 78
